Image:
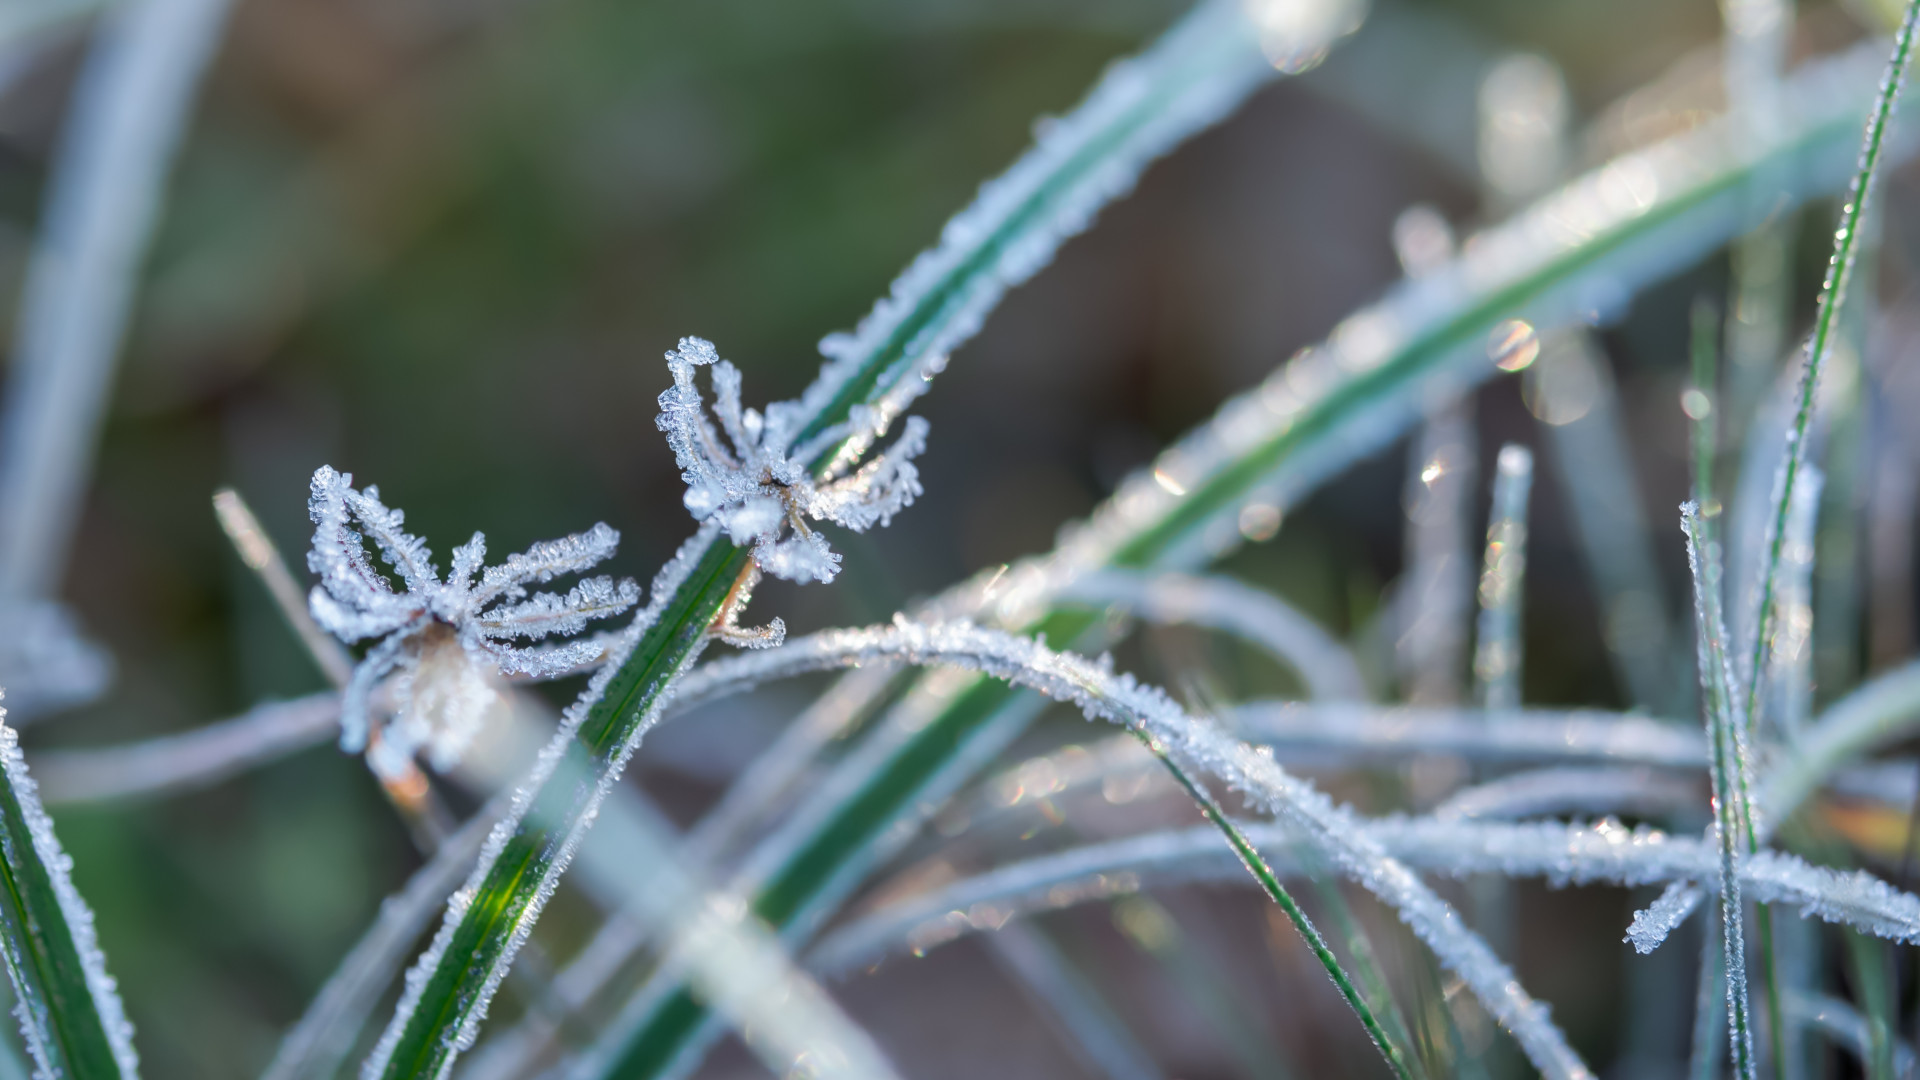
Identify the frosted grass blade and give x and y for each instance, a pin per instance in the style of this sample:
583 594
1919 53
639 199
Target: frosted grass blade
1198 746
1733 829
1558 853
1833 297
70 1014
1198 71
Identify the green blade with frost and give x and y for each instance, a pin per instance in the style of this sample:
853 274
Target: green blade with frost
1197 72
1591 246
70 1015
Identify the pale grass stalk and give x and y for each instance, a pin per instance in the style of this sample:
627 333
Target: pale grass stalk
130 111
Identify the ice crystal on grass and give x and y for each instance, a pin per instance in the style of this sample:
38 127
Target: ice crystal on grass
762 488
101 988
446 638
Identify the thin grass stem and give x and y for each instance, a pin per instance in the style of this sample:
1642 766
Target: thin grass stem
1397 1052
1833 296
1733 825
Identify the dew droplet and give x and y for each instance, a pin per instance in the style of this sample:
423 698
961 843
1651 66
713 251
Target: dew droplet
1513 345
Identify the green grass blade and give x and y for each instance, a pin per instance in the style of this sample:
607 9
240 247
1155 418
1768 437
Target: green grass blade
1833 297
1395 1048
1202 68
69 1012
1312 417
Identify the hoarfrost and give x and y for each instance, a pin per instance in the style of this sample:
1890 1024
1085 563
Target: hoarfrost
560 851
79 918
1604 852
446 638
1652 924
1733 828
761 489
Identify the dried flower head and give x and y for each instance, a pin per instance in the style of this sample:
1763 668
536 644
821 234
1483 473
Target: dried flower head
759 486
448 639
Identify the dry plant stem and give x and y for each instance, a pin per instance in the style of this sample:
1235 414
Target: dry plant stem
427 820
263 557
726 623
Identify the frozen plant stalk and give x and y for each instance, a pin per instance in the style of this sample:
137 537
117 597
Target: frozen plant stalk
763 485
447 638
70 1014
1733 825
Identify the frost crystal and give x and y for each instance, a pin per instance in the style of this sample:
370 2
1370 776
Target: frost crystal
443 636
764 483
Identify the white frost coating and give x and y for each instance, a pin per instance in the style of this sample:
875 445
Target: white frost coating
757 485
130 109
1654 923
79 917
1605 852
1194 75
1733 829
474 1011
1337 834
1875 712
445 638
1325 666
